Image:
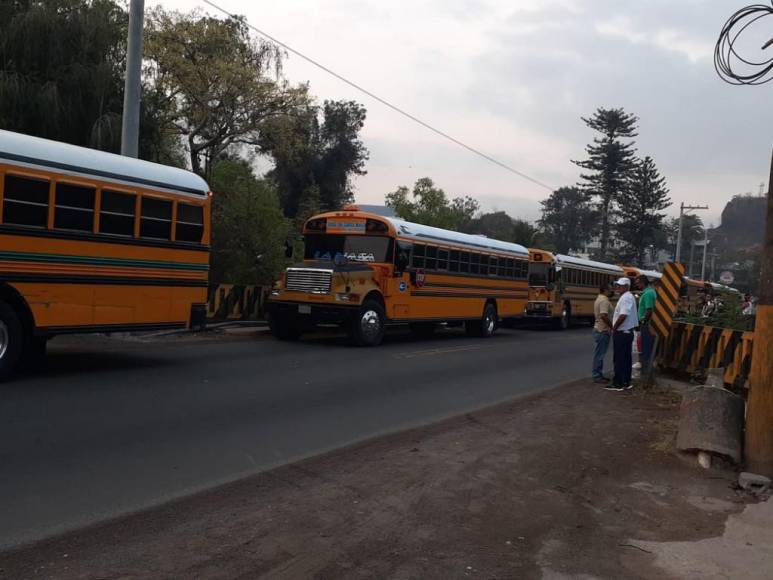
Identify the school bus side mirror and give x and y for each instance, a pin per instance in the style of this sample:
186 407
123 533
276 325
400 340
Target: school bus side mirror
289 249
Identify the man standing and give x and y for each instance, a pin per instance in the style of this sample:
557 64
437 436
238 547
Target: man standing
602 331
646 307
624 320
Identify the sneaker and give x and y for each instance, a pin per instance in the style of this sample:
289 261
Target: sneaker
629 386
601 380
614 387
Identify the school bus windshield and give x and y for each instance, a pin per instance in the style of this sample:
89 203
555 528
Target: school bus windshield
355 248
538 274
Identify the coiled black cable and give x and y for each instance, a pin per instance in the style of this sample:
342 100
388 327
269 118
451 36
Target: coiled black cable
731 66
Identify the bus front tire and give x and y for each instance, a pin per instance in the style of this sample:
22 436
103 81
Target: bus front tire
487 324
367 327
11 340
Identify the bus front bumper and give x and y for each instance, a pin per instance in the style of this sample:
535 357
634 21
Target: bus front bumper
538 310
310 314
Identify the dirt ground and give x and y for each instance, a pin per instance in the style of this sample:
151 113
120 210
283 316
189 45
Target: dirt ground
577 482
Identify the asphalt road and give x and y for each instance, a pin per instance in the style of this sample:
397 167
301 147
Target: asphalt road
109 427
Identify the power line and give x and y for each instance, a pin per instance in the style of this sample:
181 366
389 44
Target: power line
384 101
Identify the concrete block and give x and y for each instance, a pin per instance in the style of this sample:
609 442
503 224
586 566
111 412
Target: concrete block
711 419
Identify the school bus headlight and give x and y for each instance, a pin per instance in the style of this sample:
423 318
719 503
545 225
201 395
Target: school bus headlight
346 297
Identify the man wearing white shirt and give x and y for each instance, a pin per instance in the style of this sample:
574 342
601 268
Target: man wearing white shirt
624 321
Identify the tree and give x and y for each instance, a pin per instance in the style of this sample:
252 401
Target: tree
610 163
61 77
61 70
644 200
429 205
568 219
499 225
316 149
219 83
248 228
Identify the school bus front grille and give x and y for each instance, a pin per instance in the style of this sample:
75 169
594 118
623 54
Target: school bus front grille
309 280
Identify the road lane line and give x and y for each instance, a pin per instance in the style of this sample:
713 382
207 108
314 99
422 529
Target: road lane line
437 351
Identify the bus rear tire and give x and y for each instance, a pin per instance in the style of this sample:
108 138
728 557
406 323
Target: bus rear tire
11 340
565 321
367 326
486 326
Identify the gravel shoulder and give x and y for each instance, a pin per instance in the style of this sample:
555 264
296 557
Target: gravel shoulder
574 482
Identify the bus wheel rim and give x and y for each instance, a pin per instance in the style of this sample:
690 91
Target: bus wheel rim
3 339
489 323
370 324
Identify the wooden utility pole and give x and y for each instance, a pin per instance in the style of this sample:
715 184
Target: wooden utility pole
759 414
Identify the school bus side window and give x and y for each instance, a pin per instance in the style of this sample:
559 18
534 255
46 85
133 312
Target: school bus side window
74 207
453 261
190 223
156 219
464 262
431 262
25 201
116 213
417 259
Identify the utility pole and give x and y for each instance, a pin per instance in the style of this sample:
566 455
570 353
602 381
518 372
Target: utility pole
682 207
130 125
705 247
759 412
692 256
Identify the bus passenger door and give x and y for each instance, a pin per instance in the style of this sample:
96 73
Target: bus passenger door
399 284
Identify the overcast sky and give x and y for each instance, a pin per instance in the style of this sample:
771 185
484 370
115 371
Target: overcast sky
512 78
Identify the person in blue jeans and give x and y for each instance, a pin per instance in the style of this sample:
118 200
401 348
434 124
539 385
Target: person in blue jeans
624 320
602 331
646 307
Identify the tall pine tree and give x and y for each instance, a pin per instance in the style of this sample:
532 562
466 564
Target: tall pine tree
610 164
644 199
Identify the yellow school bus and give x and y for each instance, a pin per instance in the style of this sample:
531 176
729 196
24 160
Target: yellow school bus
95 242
363 271
562 289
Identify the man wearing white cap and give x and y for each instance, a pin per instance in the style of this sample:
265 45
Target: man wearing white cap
624 320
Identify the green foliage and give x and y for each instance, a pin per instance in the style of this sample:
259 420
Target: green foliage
568 219
61 77
642 220
218 83
430 206
499 225
316 149
248 228
61 65
610 163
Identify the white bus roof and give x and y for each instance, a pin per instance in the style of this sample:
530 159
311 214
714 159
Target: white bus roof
429 233
562 259
652 274
73 160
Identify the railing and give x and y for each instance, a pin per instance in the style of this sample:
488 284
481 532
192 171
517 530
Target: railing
236 302
691 347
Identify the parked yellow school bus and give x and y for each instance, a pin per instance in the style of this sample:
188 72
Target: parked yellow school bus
363 271
95 242
562 289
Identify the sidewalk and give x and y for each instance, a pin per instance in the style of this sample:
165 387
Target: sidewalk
574 483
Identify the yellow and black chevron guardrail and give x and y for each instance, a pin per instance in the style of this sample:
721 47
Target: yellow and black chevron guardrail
669 287
690 347
236 302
